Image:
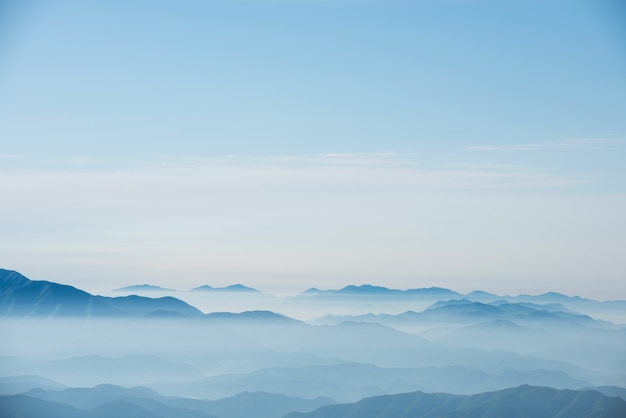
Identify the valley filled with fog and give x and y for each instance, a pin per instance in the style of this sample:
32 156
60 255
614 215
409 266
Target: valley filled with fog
214 351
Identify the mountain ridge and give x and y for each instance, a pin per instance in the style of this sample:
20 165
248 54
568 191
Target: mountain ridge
523 401
22 297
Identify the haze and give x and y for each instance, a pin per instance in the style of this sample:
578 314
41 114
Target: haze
289 145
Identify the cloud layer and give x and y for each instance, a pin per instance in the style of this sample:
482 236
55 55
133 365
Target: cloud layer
313 219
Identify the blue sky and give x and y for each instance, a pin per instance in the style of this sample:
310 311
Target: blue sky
290 144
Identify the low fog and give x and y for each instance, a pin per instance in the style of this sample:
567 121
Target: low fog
297 353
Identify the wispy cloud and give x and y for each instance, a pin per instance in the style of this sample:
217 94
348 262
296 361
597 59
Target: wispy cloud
47 158
580 143
367 213
303 160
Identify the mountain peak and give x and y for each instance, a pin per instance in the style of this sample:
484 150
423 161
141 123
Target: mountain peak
239 288
143 288
231 288
366 289
10 279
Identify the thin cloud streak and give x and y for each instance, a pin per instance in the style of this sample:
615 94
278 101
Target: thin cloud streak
579 144
281 218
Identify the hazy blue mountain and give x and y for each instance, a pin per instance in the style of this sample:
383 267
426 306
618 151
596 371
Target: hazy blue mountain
380 291
256 316
12 385
22 406
610 391
128 370
204 288
521 313
142 306
504 334
231 288
520 402
459 312
340 381
263 405
243 405
21 297
611 309
143 288
481 294
367 289
92 397
353 381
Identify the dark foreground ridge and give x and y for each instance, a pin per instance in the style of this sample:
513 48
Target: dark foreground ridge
521 402
21 297
114 401
109 401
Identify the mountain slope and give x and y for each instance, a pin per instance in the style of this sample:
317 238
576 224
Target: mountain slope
21 297
30 407
520 402
143 288
348 382
243 405
238 288
368 290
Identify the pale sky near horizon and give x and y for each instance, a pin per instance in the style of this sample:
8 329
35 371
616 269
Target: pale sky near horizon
287 144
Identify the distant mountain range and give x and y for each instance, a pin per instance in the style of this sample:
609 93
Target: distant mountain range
442 293
464 311
251 315
143 288
353 381
21 297
106 401
231 288
239 288
521 402
379 291
91 370
13 385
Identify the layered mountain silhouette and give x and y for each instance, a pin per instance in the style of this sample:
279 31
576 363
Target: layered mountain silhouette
143 288
28 406
140 288
21 297
522 402
108 401
13 385
255 316
465 311
136 369
143 402
380 291
239 288
612 308
352 381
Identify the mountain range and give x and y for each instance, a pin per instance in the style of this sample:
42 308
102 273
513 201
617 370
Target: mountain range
380 291
204 288
231 288
465 312
106 401
21 297
139 402
379 342
520 402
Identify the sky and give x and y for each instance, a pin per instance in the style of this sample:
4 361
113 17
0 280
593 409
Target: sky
288 144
